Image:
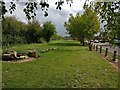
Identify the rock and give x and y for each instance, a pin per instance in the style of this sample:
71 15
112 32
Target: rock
116 60
54 48
47 50
20 54
22 57
9 55
50 48
105 69
32 53
42 51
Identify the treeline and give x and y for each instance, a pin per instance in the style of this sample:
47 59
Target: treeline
17 32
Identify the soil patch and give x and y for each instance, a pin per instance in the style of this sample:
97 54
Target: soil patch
29 59
115 64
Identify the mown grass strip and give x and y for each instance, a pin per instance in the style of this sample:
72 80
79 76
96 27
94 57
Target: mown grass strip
70 66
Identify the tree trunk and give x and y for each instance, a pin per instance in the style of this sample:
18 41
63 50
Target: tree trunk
83 43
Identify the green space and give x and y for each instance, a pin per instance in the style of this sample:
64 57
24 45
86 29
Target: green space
70 66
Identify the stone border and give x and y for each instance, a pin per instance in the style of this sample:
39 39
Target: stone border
29 59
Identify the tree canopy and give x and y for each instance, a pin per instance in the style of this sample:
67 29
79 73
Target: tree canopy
48 30
30 7
17 32
33 33
109 13
83 26
12 31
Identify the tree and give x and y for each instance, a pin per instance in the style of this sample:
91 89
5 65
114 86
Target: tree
17 32
83 26
33 33
91 23
56 37
48 30
11 31
74 27
110 14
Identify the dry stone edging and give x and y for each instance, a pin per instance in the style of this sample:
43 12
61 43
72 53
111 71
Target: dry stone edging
47 50
11 55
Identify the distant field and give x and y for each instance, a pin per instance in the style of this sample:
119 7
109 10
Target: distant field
70 66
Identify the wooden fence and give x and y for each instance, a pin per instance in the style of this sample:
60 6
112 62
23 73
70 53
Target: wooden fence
105 52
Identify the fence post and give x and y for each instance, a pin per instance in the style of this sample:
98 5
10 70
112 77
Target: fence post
100 49
96 47
90 47
114 55
106 51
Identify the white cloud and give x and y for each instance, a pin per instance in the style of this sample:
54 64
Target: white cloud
58 17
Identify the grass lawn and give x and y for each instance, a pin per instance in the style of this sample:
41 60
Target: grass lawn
71 65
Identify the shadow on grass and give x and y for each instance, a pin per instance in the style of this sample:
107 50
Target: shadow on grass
66 44
72 50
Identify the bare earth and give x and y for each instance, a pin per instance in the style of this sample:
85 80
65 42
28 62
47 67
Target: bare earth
29 59
116 65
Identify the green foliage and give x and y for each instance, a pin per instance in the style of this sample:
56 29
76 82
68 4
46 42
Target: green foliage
73 26
2 9
33 33
83 26
48 30
30 7
16 32
109 12
56 37
91 23
11 31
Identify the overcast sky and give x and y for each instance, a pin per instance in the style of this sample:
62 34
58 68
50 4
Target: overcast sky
58 17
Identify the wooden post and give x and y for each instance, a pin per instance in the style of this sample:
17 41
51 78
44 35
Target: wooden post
114 55
100 49
90 47
106 51
96 47
93 46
